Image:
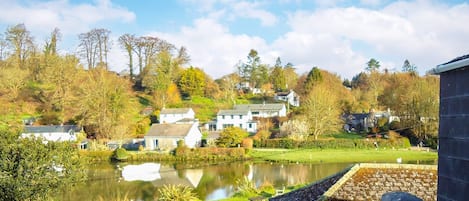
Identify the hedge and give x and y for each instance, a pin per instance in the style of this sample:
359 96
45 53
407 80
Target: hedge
368 143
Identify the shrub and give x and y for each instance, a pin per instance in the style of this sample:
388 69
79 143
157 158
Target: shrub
176 193
246 187
247 143
120 154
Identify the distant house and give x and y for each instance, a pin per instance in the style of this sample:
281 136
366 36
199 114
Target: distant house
58 133
236 118
290 97
166 136
264 110
173 115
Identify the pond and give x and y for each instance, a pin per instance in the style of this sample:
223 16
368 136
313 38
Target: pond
140 181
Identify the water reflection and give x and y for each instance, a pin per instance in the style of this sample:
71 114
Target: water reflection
140 181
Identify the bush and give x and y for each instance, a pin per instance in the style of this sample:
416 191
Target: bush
176 193
247 143
120 154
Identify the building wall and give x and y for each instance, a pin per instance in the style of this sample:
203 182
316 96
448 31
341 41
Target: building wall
56 137
453 157
234 120
194 138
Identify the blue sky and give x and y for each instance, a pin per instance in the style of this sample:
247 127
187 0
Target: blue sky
337 35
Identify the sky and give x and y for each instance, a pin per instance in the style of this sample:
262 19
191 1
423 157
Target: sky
335 35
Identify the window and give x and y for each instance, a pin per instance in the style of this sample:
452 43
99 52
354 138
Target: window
223 116
227 125
250 125
240 116
241 125
232 116
155 143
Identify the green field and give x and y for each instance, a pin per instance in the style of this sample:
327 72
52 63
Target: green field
342 155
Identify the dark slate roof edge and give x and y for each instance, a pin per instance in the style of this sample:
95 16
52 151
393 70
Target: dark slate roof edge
306 188
459 62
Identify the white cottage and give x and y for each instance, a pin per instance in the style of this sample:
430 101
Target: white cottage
264 110
236 118
290 97
166 136
58 133
174 115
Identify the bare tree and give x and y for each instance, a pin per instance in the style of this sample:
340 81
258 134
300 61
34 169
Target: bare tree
50 48
127 41
94 47
21 41
3 48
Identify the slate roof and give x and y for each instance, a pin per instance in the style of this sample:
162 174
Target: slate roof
370 182
175 110
457 63
51 129
169 130
232 112
260 107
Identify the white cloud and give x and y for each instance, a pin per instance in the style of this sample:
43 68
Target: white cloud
234 9
212 47
252 10
340 40
44 16
423 32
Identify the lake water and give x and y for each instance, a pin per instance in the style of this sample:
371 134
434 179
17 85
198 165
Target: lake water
140 181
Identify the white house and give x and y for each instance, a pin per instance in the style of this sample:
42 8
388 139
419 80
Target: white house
166 136
236 118
290 97
173 115
58 133
264 110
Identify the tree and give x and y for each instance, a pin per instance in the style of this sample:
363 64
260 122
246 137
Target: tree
290 75
50 47
94 47
409 68
296 129
105 104
162 72
247 71
314 77
20 39
127 42
192 82
372 65
277 77
33 170
231 137
322 111
12 81
228 85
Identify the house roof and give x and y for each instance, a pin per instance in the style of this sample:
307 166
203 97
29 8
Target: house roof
370 182
459 62
175 110
260 107
233 112
169 130
51 129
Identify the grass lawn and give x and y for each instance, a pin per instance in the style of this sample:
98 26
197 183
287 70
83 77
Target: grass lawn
341 155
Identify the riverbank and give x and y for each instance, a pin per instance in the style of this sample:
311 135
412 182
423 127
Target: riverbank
277 155
342 155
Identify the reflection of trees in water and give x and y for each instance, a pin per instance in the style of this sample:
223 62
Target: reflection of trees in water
220 176
105 179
